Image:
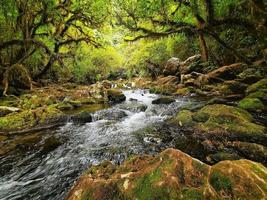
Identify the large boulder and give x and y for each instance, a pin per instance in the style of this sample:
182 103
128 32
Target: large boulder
176 67
172 174
190 64
172 66
81 118
115 96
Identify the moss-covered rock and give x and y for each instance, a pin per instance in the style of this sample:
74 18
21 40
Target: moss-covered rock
251 104
228 122
115 96
259 95
258 86
184 118
172 174
240 179
30 118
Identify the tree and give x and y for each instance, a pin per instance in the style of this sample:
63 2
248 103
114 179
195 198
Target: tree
47 27
202 18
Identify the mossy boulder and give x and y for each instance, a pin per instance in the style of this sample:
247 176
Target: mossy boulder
251 104
259 95
115 96
163 100
172 174
250 75
230 122
81 118
184 118
30 118
258 86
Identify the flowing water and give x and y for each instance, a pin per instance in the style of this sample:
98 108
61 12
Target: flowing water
35 171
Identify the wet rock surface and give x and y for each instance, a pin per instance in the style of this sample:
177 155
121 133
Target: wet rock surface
172 174
208 130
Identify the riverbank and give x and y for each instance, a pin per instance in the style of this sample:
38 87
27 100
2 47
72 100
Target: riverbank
216 124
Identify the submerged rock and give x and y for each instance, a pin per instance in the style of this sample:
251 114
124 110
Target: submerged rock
133 107
163 100
172 174
111 114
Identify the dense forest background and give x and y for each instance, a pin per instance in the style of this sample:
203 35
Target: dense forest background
83 41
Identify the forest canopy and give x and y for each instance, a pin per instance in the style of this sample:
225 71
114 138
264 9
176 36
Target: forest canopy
88 40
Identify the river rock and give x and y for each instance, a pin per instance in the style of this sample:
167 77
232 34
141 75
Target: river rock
163 100
172 174
133 107
190 64
111 114
172 66
115 96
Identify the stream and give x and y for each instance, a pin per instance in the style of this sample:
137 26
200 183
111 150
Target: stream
37 172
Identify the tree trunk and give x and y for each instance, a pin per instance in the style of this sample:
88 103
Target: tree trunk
203 48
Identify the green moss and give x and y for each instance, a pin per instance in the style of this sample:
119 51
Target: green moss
184 118
28 118
259 169
251 104
201 116
183 91
145 187
220 182
64 106
192 194
231 120
155 90
260 85
258 94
